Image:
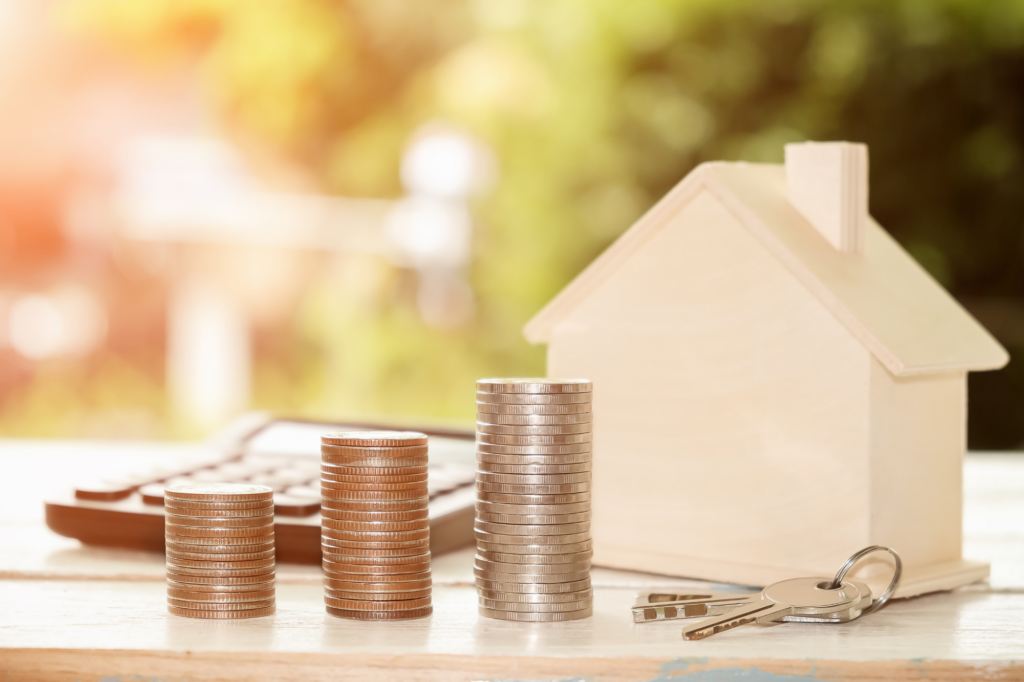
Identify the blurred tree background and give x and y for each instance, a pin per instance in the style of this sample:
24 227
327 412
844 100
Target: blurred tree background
593 110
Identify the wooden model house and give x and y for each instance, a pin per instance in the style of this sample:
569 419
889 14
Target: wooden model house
777 383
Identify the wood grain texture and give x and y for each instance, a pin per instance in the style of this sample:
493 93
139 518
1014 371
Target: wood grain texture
731 410
97 626
59 665
965 626
883 297
827 183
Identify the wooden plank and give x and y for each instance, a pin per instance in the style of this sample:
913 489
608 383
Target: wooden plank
60 665
966 625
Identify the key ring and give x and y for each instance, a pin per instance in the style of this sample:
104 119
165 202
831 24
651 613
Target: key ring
897 574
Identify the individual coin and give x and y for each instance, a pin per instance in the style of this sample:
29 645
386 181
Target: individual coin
357 461
405 581
380 615
535 419
503 498
376 505
377 439
534 429
540 559
536 489
527 509
204 560
535 608
379 606
349 515
534 398
569 548
221 568
266 511
350 451
197 506
377 596
531 569
334 470
245 576
377 588
358 559
538 385
533 578
559 598
387 495
534 519
220 522
505 539
533 479
420 486
218 492
375 526
535 617
379 545
573 458
516 529
373 536
206 532
219 597
396 552
572 449
567 439
220 586
221 615
214 606
189 543
483 408
533 588
357 478
534 469
417 566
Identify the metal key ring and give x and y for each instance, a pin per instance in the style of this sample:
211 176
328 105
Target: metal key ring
897 574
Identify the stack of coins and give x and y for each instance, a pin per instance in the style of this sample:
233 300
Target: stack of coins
375 533
533 499
220 550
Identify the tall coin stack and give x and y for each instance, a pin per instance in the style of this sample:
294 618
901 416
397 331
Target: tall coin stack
375 533
220 550
534 444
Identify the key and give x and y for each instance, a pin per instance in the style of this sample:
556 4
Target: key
660 606
656 606
799 597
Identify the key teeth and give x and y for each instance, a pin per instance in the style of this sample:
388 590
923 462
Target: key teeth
707 632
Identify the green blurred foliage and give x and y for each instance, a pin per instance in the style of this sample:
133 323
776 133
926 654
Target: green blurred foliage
594 109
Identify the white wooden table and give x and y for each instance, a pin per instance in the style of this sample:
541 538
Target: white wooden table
69 612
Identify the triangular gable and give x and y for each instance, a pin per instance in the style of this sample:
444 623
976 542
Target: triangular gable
886 300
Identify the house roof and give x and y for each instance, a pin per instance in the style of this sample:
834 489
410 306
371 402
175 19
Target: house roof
882 295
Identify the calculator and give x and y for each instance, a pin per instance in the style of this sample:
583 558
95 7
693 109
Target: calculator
127 511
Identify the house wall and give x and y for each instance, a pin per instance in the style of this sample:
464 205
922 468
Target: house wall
918 437
730 409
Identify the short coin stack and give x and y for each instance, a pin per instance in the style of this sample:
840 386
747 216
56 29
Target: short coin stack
220 550
533 499
375 533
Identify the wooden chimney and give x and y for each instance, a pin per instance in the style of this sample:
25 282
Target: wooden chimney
827 182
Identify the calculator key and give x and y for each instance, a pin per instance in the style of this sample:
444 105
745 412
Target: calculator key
153 493
286 505
304 491
104 491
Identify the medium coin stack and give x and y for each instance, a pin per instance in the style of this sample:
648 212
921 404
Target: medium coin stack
532 529
220 550
375 534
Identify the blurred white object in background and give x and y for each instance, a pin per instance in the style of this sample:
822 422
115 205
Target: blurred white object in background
67 321
431 228
208 352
